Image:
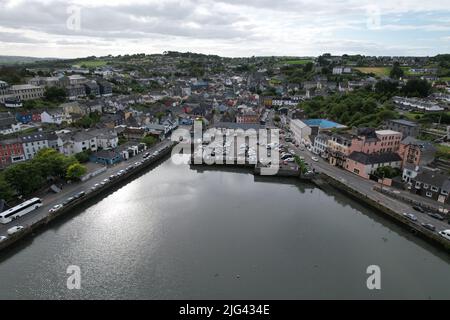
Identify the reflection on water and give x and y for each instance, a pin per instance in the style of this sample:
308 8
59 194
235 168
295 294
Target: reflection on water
179 232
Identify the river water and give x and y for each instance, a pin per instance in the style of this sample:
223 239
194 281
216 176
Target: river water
182 233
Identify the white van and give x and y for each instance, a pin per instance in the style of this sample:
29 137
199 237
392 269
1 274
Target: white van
445 234
15 229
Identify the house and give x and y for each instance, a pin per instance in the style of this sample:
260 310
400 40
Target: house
92 88
76 142
8 123
364 164
28 116
320 146
134 133
11 151
433 184
113 120
56 116
410 172
105 88
247 116
339 148
106 138
416 152
407 128
73 108
75 91
106 157
27 92
32 143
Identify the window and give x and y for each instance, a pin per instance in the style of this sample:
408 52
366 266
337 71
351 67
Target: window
434 189
429 194
425 186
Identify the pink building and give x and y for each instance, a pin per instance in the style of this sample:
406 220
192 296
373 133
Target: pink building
364 164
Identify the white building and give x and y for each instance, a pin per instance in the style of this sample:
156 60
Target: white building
300 130
32 143
73 143
55 117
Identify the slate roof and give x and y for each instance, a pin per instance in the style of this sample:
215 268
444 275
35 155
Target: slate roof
375 158
434 178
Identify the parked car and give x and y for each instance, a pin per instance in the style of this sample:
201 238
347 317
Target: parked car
418 208
429 226
80 195
410 216
146 155
3 238
445 234
14 230
436 216
68 200
95 186
55 208
315 159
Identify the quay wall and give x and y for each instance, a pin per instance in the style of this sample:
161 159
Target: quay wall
49 217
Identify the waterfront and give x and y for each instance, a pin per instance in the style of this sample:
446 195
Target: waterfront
180 233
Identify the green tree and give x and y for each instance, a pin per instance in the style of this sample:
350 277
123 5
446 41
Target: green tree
149 140
55 94
6 191
387 172
417 88
24 177
75 171
396 71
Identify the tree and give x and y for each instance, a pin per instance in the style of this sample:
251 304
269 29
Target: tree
396 71
55 94
417 88
75 171
82 157
6 191
24 177
149 140
387 172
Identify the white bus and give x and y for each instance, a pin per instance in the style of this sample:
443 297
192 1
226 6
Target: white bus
20 210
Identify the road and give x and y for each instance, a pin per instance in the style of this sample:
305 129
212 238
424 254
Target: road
366 187
52 199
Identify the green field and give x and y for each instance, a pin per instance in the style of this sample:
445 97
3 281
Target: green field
92 63
412 115
300 61
378 71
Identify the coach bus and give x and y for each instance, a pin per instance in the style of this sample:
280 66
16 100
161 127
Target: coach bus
20 210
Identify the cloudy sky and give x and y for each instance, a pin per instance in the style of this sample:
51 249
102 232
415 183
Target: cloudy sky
77 28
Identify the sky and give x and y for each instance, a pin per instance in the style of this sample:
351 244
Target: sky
231 28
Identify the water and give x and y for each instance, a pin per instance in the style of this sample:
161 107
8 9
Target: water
179 233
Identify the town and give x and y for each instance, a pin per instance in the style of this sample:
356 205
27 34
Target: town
383 120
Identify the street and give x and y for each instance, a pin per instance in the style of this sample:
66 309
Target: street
56 198
366 187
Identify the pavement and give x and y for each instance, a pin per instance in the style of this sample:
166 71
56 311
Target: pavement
68 190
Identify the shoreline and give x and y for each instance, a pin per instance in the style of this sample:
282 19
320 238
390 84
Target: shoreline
319 180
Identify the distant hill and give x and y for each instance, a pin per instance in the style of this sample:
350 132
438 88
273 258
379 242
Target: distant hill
8 60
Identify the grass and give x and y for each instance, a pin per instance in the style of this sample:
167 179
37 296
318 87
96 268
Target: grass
378 71
92 63
445 78
300 61
443 151
412 115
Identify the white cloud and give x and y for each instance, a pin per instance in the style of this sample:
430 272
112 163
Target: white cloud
225 27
